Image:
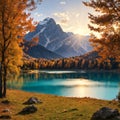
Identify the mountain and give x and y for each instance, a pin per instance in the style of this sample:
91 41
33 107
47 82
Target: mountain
38 51
52 37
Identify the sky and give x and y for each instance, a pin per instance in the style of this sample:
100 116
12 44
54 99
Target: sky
72 15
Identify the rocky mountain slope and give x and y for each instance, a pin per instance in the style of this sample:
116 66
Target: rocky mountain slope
39 51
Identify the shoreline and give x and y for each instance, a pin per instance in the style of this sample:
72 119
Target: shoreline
78 70
54 107
69 97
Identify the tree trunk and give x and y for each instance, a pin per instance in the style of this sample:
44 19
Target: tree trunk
1 80
2 77
4 89
1 83
4 81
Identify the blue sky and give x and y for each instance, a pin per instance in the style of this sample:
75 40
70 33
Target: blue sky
72 15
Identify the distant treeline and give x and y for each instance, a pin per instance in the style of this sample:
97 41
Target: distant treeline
70 63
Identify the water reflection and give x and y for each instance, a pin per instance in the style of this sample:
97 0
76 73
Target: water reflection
76 83
15 82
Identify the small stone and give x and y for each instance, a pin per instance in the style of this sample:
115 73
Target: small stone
5 117
81 114
32 100
5 102
6 110
28 110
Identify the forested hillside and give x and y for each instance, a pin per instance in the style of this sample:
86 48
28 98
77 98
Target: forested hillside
87 61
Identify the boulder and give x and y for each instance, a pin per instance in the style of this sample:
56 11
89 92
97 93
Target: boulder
106 113
32 100
28 110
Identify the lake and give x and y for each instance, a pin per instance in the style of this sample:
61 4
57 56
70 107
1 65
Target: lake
101 85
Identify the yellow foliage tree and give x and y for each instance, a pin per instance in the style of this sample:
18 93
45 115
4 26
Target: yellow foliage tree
14 23
107 24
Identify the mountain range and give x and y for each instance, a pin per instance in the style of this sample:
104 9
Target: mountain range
55 43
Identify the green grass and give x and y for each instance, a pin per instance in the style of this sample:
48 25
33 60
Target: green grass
54 107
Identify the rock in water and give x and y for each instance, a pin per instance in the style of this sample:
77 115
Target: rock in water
32 100
28 110
106 113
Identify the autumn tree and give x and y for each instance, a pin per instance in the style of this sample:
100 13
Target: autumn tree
107 23
15 21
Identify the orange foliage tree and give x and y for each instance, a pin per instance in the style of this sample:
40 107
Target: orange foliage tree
107 23
15 21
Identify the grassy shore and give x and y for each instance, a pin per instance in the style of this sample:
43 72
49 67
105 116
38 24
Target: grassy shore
54 107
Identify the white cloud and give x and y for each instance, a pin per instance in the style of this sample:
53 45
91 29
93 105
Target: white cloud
63 18
38 14
62 15
63 3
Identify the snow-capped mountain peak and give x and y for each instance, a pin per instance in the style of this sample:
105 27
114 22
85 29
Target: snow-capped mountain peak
45 21
52 37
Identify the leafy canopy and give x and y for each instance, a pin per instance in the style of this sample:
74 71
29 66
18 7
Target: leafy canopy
14 23
107 24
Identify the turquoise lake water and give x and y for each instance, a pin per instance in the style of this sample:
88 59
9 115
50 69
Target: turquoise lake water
101 85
